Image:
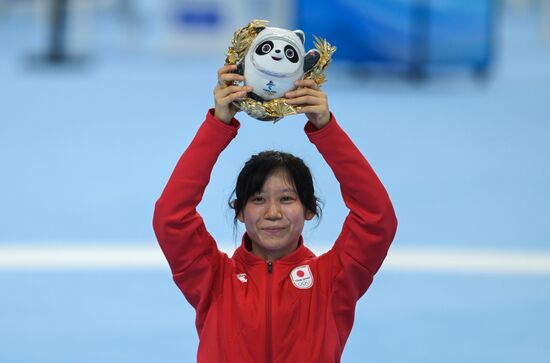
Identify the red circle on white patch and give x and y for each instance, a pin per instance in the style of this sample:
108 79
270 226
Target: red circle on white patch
301 277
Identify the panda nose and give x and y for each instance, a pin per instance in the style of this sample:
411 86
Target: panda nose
277 51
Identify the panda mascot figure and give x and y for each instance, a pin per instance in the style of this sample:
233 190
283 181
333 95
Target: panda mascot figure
276 59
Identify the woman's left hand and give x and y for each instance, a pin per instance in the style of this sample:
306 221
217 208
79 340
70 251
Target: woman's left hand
308 98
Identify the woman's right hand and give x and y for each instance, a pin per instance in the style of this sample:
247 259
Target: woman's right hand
226 92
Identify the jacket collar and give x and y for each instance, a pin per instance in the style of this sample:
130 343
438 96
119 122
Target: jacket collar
244 253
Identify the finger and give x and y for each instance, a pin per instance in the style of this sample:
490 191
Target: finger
310 109
309 83
232 89
226 69
232 97
231 76
228 94
228 78
305 100
304 91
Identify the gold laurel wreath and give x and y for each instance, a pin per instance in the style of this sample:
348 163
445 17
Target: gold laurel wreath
276 109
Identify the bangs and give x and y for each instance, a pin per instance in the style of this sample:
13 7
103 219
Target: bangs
259 167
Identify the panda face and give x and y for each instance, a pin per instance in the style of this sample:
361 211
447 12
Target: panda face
276 55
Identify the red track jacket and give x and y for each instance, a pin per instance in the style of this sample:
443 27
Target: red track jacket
300 308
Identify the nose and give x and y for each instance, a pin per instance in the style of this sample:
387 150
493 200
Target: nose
277 51
273 211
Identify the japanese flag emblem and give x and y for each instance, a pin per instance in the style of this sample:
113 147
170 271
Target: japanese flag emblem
302 277
242 278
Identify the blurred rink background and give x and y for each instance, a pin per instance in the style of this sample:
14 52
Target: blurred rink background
448 99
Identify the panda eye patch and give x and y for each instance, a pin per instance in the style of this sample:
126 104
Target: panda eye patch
291 54
264 48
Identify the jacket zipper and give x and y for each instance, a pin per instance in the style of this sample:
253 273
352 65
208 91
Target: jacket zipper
268 313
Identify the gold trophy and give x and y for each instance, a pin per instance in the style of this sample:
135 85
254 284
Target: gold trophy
271 60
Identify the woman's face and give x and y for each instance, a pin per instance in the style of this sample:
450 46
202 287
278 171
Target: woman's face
274 217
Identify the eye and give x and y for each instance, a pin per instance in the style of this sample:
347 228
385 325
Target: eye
291 54
287 199
264 48
257 199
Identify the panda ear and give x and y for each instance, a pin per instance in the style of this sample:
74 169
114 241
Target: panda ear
311 59
259 29
300 35
240 69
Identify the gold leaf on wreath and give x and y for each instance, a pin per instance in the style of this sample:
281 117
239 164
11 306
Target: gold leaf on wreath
276 109
242 39
279 107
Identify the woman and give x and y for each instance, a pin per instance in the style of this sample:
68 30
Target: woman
273 300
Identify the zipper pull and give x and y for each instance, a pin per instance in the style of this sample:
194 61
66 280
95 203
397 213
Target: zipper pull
269 266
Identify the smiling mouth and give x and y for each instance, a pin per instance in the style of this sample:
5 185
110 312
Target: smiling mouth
277 59
273 230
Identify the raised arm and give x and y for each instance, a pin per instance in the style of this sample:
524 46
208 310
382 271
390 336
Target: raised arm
177 224
371 223
190 250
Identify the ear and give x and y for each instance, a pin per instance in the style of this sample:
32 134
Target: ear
300 35
240 217
259 29
309 215
311 59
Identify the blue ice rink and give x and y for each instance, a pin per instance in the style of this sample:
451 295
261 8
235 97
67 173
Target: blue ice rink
85 154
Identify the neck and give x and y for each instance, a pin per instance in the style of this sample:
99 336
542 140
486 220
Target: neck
269 255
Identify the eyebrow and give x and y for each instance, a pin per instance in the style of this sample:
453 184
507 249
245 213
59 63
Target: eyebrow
288 190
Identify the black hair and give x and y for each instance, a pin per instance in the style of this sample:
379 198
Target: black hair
256 170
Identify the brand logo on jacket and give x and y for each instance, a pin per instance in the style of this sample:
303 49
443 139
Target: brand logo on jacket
242 278
302 277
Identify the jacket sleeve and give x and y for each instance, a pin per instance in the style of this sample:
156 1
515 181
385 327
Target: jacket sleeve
191 252
371 223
